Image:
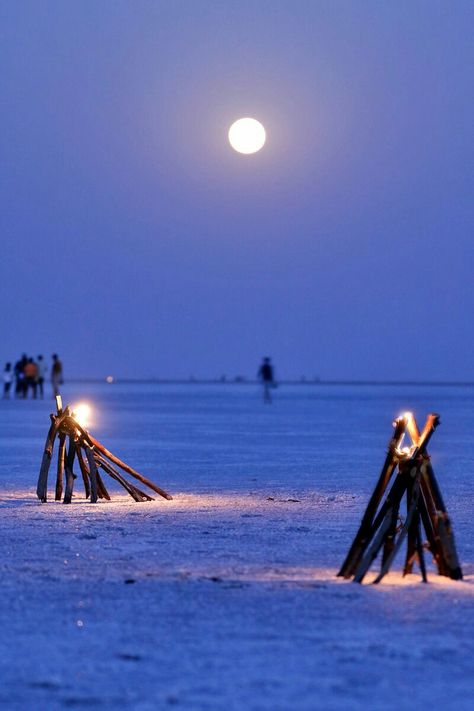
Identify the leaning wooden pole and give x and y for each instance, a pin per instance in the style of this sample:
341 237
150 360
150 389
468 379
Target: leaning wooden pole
99 447
90 455
383 527
92 473
60 467
359 544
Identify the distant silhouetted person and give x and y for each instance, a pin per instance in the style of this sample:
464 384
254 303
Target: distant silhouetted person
56 374
42 370
265 374
8 376
31 378
20 382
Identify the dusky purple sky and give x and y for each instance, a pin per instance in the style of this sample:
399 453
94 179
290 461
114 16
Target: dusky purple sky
136 242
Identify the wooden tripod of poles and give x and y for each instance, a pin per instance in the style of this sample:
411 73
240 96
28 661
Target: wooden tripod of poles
76 444
382 527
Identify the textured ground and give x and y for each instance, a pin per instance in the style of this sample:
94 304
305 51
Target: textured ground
226 597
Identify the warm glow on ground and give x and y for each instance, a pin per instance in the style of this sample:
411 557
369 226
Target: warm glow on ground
247 135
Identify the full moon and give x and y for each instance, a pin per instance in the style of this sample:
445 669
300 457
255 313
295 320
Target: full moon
247 135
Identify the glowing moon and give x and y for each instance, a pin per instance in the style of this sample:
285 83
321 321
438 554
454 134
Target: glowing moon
247 135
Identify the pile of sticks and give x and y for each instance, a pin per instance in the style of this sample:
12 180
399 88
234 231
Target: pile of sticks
77 445
382 527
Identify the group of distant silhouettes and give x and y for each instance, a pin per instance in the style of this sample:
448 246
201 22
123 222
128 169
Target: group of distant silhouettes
29 375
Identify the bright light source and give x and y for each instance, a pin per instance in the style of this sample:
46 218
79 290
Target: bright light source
82 413
110 379
247 135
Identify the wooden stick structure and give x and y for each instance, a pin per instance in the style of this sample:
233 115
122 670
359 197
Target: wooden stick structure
383 528
76 444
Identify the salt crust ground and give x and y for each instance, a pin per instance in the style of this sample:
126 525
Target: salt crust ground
226 597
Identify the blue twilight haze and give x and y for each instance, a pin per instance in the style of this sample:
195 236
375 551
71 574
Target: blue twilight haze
136 241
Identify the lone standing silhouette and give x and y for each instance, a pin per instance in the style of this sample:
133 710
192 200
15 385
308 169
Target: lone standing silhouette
56 374
42 370
265 374
8 376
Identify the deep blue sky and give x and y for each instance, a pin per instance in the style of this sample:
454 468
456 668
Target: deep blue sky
136 242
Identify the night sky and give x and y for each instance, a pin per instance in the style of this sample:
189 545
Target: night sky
136 242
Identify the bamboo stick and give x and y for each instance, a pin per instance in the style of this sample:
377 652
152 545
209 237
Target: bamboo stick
101 488
419 548
134 491
60 467
122 465
384 519
68 466
92 472
80 443
84 470
412 533
401 536
42 486
430 524
362 537
442 526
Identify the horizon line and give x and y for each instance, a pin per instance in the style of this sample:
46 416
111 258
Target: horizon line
285 381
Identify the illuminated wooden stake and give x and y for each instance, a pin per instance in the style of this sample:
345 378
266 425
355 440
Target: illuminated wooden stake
90 455
380 527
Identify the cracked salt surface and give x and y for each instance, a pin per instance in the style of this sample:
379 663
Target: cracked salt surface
226 597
